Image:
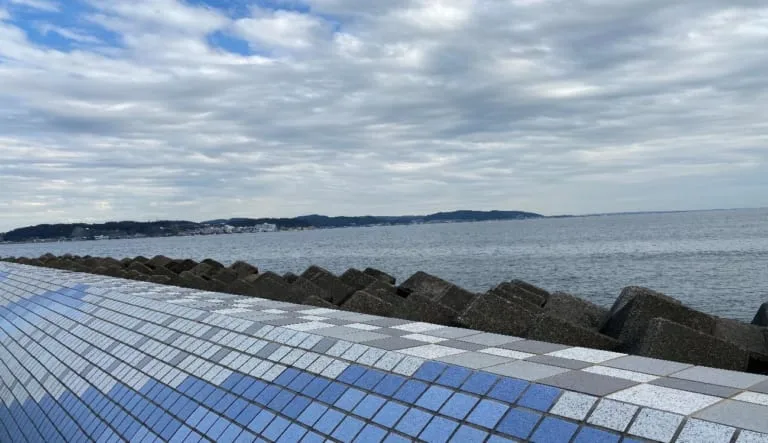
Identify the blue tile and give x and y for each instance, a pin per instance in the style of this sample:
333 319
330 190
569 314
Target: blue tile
389 414
438 430
508 389
539 397
371 434
247 415
277 427
518 423
312 413
554 430
286 377
413 422
467 434
301 381
592 435
312 437
434 398
281 400
430 370
350 399
292 434
498 439
459 406
454 376
395 438
370 379
369 406
348 429
267 394
328 421
332 393
389 385
410 391
632 440
315 387
487 413
351 374
260 421
296 406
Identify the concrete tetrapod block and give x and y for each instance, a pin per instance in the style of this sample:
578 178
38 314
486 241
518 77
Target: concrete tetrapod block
530 288
338 290
456 298
668 340
357 279
517 291
189 280
576 310
761 317
225 275
386 292
550 328
308 289
515 297
491 313
271 286
749 337
636 307
212 263
418 307
158 260
243 269
290 277
141 268
381 275
162 270
313 300
367 303
179 266
204 270
425 284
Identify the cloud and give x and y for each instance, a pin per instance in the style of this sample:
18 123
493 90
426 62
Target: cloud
180 109
42 5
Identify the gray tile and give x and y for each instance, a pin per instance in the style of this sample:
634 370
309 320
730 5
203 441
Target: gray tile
739 414
721 377
760 387
656 425
474 360
392 332
533 346
588 383
557 361
282 321
694 386
464 345
394 343
699 431
387 322
267 350
526 370
453 332
489 339
324 345
646 365
349 334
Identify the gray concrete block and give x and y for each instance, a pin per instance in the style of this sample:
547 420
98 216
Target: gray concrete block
418 307
381 275
510 290
761 316
272 286
243 269
225 275
668 340
290 277
357 279
179 266
749 337
425 284
576 310
491 313
631 313
547 327
314 300
158 260
367 303
309 289
337 289
456 298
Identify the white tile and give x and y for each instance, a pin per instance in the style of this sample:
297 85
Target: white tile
656 425
408 366
317 311
417 327
363 326
507 353
313 318
310 326
273 372
354 352
273 311
752 437
612 415
425 338
722 377
700 431
431 351
335 369
666 399
319 365
370 356
389 361
573 405
586 354
753 397
621 373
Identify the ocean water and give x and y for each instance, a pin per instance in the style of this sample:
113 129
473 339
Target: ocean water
715 261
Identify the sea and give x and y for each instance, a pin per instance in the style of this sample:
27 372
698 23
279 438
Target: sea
714 261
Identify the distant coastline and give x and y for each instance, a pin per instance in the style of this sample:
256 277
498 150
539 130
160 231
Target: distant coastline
175 228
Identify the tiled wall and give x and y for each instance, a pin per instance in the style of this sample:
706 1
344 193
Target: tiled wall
82 360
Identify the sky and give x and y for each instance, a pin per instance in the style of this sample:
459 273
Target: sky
201 109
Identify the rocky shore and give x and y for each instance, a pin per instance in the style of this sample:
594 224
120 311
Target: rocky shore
641 321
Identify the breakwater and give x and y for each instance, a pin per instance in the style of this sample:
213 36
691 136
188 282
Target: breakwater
641 321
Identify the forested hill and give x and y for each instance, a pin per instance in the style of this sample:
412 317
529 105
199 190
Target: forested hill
128 229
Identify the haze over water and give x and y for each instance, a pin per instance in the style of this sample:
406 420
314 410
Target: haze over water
715 261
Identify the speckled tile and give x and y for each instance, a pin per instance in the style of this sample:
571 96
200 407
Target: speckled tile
489 339
532 346
474 360
431 351
752 437
586 354
621 373
739 414
573 405
656 425
699 431
666 399
517 355
734 379
560 362
612 415
647 365
417 327
753 397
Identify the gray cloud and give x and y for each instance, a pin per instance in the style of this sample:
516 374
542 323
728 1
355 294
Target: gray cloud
384 107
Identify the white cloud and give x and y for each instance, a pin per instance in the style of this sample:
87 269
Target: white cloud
42 5
385 108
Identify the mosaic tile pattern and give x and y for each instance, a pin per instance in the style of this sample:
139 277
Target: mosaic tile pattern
90 358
